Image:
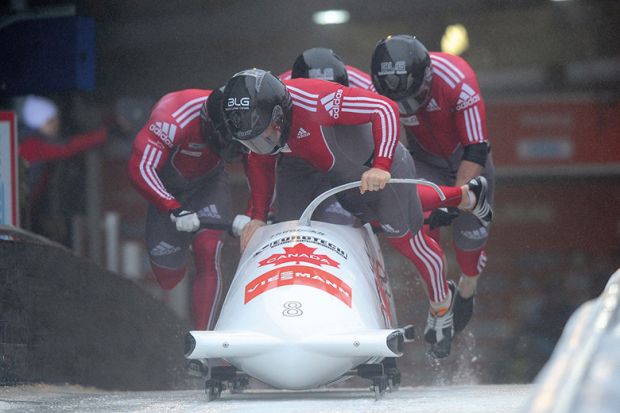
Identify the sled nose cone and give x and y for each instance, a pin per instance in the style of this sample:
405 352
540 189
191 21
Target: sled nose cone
295 368
395 342
295 364
190 344
321 359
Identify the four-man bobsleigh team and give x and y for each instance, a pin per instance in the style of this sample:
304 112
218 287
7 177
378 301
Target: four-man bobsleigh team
317 126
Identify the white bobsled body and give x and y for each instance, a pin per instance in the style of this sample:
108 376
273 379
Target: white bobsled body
307 304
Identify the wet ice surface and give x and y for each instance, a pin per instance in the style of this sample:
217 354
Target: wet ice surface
461 399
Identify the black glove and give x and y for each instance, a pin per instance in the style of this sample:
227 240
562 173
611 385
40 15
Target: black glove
442 217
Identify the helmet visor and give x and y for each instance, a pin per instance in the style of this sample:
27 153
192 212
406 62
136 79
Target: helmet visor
412 104
267 143
409 105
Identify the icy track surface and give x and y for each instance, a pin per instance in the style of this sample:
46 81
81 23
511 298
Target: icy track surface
461 399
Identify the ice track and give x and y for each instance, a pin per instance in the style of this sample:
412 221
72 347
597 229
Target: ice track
461 399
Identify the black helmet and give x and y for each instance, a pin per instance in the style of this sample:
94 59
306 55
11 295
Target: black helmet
320 63
257 109
214 128
401 70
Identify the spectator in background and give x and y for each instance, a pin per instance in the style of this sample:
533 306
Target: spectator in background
41 147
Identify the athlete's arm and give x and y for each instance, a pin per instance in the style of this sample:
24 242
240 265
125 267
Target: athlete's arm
37 150
469 115
361 106
148 155
467 171
261 173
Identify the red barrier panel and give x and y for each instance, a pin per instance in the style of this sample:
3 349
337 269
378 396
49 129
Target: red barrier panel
555 133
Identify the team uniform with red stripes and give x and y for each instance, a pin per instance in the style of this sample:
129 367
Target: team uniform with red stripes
172 166
298 183
437 134
342 132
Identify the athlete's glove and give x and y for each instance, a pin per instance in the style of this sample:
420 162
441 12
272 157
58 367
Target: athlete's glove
186 221
441 217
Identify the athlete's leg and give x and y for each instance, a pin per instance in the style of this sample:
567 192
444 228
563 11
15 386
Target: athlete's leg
167 278
470 238
426 255
214 205
397 208
167 248
207 286
456 196
399 212
424 252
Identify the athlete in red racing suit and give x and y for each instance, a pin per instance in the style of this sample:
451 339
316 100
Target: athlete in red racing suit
298 183
176 167
351 133
443 113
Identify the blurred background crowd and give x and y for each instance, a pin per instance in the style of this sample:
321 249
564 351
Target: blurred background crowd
550 75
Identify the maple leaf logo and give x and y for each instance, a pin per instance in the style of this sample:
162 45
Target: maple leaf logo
299 253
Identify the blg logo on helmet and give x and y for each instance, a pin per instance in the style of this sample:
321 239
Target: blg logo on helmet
393 68
323 74
237 103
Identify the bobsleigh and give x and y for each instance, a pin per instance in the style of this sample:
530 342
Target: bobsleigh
310 304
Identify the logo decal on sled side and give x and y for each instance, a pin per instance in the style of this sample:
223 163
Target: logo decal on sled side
381 282
308 239
299 253
299 275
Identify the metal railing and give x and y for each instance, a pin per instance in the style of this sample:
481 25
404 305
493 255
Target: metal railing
18 234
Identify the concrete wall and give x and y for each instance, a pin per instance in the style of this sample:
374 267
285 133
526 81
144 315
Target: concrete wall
64 319
583 373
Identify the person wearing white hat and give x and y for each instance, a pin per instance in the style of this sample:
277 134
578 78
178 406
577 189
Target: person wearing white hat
41 146
41 114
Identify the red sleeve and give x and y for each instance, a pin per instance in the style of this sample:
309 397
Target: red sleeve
469 113
286 75
244 162
148 155
359 79
261 172
362 106
37 150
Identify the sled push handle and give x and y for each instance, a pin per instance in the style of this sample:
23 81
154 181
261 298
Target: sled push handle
234 229
307 214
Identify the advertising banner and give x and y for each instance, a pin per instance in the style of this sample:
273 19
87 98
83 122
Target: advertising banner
559 135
